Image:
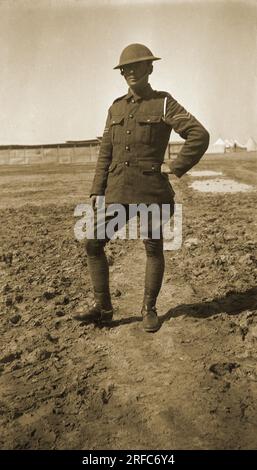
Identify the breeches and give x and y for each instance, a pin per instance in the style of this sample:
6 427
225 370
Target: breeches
97 262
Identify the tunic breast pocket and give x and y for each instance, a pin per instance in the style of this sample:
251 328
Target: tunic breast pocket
148 127
117 129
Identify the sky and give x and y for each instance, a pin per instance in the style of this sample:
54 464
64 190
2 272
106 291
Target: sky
57 57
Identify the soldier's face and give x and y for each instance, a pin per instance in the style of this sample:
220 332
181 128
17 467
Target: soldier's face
136 74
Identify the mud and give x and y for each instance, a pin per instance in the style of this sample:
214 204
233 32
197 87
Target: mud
204 173
221 186
65 385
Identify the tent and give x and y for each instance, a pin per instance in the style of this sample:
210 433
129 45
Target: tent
219 146
239 147
251 145
228 143
229 146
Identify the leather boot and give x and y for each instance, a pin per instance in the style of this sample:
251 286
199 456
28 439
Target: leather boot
149 314
100 312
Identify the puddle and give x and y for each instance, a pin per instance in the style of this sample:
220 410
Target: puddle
205 173
220 186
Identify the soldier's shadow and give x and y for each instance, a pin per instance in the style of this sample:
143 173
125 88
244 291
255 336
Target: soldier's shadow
232 303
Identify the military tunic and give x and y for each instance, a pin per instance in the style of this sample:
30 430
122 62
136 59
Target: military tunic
132 150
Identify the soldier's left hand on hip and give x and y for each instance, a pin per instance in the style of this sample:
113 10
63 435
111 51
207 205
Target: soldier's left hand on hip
165 168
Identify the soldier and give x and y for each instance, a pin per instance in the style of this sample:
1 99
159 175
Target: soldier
131 170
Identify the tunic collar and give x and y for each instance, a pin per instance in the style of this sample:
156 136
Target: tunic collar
145 93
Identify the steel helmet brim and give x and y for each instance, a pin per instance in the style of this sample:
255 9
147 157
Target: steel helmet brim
141 59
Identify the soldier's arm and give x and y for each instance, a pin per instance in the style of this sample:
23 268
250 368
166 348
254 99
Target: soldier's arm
103 162
195 135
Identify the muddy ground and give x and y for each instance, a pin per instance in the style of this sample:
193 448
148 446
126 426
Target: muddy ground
65 385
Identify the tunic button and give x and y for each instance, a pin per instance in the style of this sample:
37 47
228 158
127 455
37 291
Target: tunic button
148 120
132 101
127 148
126 163
131 116
128 132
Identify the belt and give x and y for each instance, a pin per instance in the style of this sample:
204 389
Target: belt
144 164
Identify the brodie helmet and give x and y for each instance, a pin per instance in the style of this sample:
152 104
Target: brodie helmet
135 53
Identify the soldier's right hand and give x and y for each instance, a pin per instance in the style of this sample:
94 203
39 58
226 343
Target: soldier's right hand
93 200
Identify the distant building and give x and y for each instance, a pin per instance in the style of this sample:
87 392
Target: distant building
173 149
77 151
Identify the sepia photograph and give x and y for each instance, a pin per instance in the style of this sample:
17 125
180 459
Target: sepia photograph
128 254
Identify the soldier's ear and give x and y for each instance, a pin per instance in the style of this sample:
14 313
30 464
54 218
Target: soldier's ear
150 69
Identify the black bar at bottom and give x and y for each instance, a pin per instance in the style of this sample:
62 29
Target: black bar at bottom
125 458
